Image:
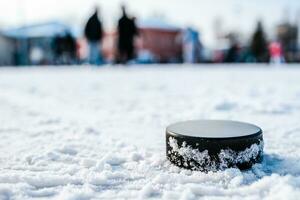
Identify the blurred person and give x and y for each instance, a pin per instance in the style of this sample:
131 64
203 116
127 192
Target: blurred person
93 32
191 46
127 30
58 49
259 46
132 53
276 53
70 49
232 55
65 49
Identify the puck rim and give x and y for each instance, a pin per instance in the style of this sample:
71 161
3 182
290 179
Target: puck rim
256 134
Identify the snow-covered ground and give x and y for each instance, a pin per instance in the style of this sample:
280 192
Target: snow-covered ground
99 133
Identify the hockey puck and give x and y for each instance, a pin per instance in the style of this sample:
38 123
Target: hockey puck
211 145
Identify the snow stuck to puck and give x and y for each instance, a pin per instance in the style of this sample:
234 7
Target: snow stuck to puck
211 145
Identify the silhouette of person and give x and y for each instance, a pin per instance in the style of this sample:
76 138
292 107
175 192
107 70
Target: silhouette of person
191 46
232 54
65 48
276 53
93 32
70 48
58 48
127 30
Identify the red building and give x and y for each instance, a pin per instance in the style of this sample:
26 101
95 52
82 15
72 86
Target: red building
157 42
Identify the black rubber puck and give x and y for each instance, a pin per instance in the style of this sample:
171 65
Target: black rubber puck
211 145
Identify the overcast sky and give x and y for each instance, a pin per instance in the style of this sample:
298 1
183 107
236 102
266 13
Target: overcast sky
235 14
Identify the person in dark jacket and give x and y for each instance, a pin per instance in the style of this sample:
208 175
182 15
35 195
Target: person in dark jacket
70 49
93 32
232 54
65 49
127 30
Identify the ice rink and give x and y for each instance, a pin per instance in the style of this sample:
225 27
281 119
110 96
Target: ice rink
99 133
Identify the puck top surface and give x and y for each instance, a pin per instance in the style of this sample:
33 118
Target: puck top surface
213 129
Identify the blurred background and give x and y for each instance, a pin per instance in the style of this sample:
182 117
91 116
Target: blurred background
73 32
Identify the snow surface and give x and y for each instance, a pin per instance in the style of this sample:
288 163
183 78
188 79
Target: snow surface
99 133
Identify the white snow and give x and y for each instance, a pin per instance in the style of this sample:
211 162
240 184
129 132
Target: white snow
99 133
